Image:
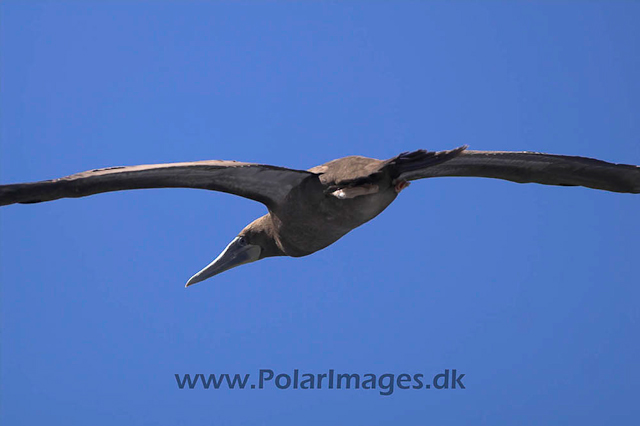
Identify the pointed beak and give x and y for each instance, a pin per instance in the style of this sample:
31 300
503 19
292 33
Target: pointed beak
237 253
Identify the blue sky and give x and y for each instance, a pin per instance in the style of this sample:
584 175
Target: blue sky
530 291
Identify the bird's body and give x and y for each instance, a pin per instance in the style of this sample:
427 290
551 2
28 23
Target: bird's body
310 223
309 210
313 218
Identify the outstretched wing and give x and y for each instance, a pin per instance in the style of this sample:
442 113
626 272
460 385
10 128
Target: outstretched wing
526 167
266 184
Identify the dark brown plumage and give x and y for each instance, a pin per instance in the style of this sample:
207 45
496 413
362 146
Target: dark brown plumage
309 210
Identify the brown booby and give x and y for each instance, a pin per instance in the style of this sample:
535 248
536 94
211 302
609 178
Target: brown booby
309 210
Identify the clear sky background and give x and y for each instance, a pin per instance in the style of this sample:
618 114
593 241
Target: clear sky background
531 291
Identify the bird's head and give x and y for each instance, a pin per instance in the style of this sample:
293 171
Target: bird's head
256 241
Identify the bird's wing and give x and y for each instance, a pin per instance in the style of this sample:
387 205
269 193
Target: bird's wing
266 184
547 169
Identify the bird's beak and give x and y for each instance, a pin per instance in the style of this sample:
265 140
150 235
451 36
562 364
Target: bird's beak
237 253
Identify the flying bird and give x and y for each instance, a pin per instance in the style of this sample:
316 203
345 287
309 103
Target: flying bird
311 209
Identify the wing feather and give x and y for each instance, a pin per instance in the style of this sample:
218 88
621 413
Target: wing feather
266 184
535 167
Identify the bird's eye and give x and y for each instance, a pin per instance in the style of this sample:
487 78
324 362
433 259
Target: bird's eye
242 241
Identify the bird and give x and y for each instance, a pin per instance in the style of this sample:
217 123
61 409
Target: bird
309 210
